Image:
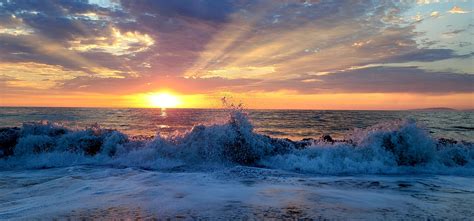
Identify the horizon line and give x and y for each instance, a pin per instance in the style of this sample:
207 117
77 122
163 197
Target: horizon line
222 108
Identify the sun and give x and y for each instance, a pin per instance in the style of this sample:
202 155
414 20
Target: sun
164 100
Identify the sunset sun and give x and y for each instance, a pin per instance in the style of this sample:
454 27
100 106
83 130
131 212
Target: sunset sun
163 100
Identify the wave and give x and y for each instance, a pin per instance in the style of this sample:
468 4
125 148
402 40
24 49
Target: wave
401 146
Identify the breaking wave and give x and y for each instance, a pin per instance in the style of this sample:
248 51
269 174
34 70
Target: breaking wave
389 148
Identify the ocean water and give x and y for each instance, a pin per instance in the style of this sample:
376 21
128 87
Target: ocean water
234 164
293 124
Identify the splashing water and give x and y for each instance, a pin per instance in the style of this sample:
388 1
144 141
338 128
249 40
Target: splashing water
393 147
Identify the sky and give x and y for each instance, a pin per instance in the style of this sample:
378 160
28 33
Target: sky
283 54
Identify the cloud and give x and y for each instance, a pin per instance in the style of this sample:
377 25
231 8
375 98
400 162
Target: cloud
314 38
117 43
434 14
245 72
457 31
150 83
427 2
13 26
20 30
426 55
399 79
377 80
215 11
54 19
451 34
40 76
457 10
208 37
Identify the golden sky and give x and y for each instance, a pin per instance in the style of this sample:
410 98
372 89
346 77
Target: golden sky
314 54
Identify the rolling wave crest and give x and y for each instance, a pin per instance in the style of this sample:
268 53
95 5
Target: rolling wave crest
393 147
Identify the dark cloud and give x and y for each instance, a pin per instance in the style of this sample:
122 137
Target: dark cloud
53 18
454 32
398 79
216 11
379 80
25 49
427 55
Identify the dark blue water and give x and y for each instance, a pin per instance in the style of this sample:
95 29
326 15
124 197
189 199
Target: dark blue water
293 124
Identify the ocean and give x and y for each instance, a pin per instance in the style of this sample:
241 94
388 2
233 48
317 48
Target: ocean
292 124
234 164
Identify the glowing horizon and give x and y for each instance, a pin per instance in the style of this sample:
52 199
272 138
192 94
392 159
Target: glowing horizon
314 54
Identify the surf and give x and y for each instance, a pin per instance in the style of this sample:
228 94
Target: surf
395 147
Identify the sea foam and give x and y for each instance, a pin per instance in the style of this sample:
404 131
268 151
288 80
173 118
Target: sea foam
395 147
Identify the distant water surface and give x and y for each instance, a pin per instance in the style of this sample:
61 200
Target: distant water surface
293 124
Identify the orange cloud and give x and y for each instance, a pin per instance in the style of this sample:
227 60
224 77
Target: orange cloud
457 10
117 43
35 75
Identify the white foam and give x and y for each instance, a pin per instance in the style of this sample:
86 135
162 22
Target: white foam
393 147
86 192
